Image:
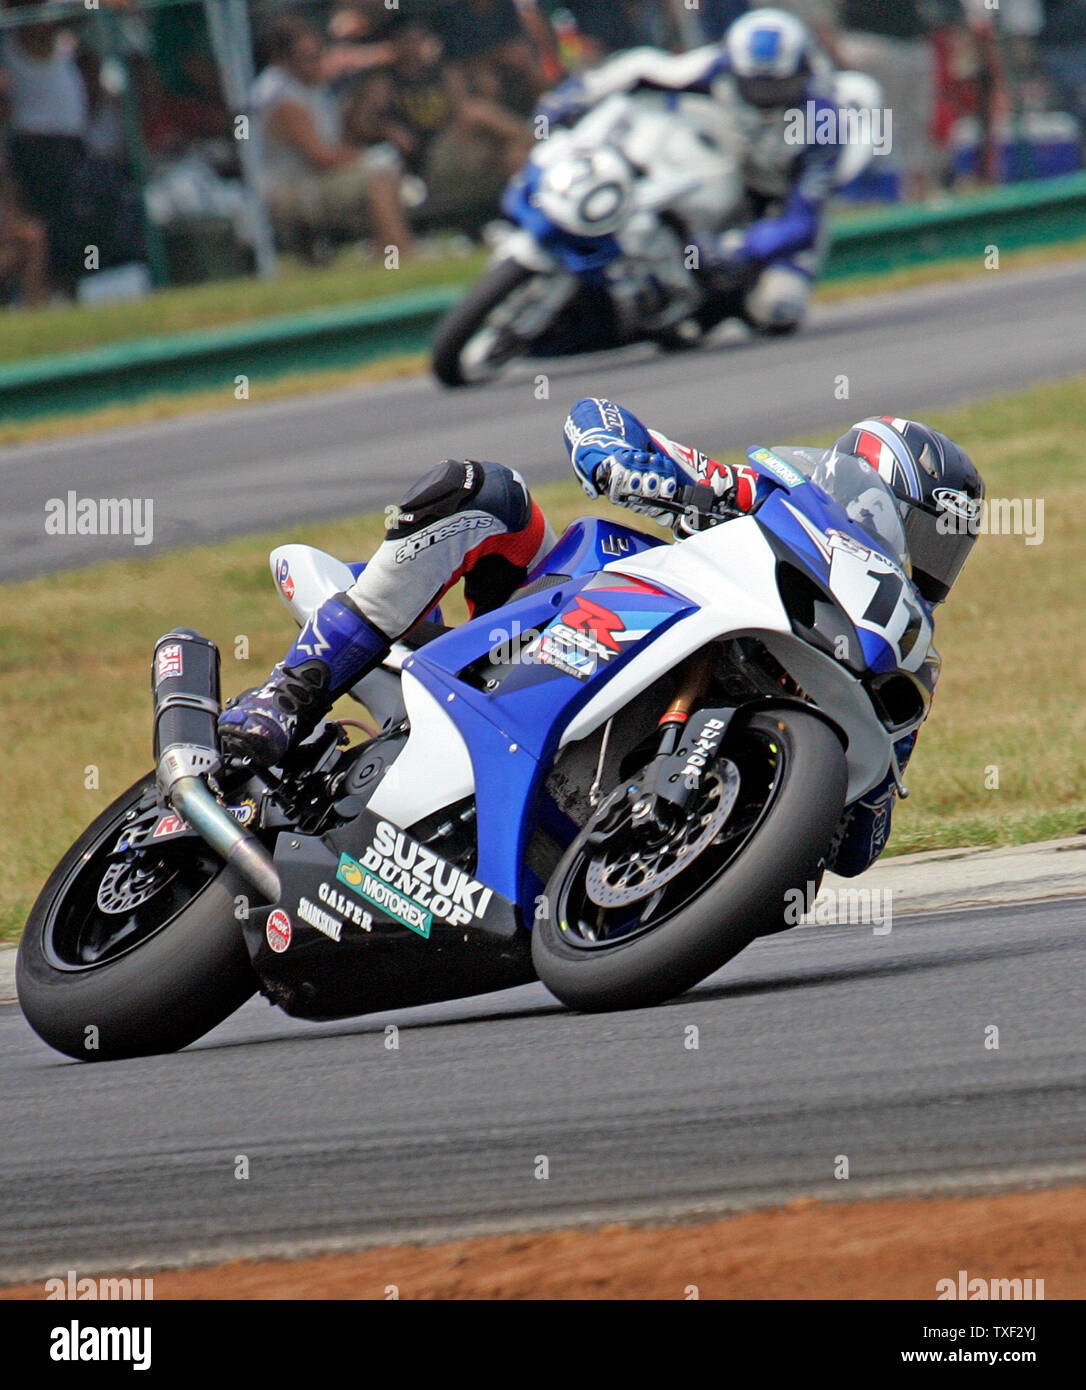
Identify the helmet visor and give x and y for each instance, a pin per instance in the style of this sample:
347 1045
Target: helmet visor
938 547
773 91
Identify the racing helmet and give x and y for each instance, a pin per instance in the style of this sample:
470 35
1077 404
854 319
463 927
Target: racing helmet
770 53
939 493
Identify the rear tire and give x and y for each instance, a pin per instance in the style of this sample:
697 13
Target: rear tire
469 317
164 992
747 899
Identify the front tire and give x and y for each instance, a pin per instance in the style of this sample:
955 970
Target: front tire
175 966
460 358
744 898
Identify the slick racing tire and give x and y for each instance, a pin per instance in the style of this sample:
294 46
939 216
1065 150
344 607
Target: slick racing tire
791 793
467 351
160 966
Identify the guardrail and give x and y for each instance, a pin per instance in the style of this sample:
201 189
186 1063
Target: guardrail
1010 218
1016 216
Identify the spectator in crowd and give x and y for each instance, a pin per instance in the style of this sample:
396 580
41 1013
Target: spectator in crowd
892 42
488 52
1062 47
359 22
460 141
24 247
47 116
318 185
78 190
182 94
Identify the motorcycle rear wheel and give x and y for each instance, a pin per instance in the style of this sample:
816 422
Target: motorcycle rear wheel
161 965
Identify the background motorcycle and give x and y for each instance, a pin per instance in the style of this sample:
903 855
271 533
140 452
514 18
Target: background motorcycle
603 215
613 782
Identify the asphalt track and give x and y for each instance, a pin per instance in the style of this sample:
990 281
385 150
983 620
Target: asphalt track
821 1042
272 467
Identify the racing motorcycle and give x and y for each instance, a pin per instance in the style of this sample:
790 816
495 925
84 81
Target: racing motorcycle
596 250
613 783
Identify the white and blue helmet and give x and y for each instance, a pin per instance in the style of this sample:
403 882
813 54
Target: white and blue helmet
770 54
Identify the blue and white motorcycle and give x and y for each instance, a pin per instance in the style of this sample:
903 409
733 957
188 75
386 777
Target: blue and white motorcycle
597 249
615 783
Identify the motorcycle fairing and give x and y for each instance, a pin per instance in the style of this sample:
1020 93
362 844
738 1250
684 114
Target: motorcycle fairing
805 524
512 729
587 545
584 256
509 735
889 616
362 957
731 575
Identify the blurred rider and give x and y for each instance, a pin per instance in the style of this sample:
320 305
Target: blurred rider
477 522
772 80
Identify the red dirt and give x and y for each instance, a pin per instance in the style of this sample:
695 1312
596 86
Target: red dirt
808 1249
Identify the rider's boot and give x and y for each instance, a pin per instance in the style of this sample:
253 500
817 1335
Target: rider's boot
865 826
335 649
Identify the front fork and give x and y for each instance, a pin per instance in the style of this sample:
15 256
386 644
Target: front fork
672 780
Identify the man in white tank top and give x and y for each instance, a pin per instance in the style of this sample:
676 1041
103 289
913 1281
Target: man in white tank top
314 182
48 113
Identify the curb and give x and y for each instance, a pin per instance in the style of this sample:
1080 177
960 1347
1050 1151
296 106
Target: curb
951 878
209 359
936 880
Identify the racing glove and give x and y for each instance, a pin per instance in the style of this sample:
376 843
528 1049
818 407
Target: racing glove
613 452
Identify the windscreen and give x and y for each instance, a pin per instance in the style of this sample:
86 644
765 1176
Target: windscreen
857 488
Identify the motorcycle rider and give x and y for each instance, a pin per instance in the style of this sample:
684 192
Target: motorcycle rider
477 521
767 67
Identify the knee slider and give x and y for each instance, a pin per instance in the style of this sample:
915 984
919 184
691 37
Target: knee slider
505 496
446 489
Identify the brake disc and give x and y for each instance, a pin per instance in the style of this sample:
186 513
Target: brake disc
615 881
127 886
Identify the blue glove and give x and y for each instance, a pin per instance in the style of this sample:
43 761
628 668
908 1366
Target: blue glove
597 431
612 452
565 103
633 477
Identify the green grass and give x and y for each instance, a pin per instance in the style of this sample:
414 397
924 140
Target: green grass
296 289
75 652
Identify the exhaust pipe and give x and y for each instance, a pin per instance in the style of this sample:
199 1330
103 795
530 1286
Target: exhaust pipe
185 682
192 801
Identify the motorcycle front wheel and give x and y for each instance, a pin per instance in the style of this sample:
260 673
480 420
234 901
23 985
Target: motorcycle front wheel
630 928
498 319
